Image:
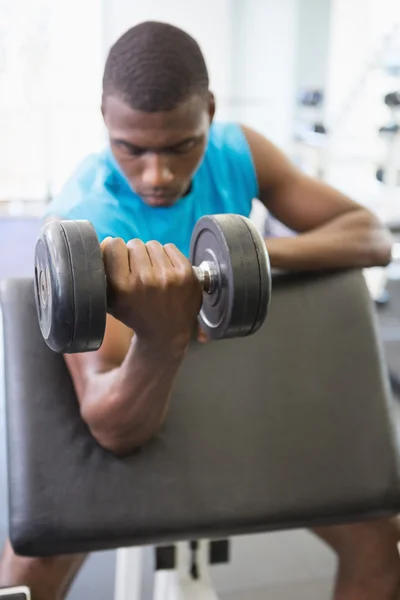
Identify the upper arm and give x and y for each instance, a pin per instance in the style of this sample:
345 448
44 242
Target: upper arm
87 366
297 200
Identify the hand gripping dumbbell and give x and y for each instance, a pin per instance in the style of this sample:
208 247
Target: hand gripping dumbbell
229 259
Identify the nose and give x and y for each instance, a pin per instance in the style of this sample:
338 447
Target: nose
156 172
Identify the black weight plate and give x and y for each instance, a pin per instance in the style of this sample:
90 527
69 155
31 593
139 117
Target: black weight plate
70 287
264 273
54 288
234 307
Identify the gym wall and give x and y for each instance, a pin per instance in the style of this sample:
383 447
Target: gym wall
249 47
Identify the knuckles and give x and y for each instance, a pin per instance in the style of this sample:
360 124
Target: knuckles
135 244
154 245
147 278
114 248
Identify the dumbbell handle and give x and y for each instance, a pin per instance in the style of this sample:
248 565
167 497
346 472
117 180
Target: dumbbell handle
207 274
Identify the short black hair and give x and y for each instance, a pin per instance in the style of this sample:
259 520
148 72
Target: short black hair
154 67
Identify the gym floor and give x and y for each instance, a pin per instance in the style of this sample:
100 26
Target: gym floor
299 555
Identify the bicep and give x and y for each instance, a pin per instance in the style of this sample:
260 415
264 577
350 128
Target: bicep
297 200
85 367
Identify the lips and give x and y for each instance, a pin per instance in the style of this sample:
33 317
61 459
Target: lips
165 194
159 199
158 202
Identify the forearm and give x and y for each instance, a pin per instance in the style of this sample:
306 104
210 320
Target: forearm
353 240
125 407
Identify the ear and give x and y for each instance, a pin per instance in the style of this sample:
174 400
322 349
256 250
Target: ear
103 110
211 106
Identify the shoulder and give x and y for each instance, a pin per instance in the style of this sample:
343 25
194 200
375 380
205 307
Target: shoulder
229 151
88 194
272 166
87 182
228 136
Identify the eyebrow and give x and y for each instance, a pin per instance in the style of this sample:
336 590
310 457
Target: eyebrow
131 146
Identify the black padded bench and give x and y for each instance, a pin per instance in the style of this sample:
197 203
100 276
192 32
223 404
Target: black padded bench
291 427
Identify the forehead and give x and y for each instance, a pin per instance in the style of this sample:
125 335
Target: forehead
140 128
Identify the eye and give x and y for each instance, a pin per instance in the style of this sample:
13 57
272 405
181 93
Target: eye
185 147
130 149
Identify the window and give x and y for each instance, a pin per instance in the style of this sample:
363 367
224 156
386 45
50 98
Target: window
51 61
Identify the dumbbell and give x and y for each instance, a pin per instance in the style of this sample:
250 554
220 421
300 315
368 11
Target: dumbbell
228 256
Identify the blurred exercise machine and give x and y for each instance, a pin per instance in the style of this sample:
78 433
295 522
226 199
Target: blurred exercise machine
389 173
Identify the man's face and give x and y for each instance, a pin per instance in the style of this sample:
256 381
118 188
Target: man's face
158 152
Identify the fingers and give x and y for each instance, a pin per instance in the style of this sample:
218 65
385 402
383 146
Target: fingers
138 257
115 259
105 242
159 257
176 257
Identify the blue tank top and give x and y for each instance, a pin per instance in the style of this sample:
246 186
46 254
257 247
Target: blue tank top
225 182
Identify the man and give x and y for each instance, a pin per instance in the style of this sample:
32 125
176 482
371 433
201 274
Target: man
167 165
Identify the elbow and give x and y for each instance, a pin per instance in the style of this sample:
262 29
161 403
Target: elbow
114 432
117 445
381 248
382 254
378 242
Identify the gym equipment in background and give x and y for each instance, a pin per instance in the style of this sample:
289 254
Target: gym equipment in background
389 172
